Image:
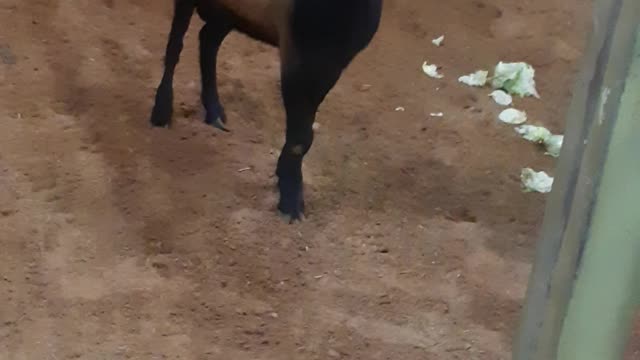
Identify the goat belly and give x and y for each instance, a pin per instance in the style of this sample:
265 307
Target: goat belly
257 18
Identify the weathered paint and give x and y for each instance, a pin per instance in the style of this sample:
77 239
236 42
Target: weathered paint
565 249
606 292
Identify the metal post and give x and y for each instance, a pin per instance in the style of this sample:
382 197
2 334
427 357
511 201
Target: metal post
585 281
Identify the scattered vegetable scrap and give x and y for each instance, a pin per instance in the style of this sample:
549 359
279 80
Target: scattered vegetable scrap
478 78
515 78
533 181
501 97
431 70
438 41
543 136
513 116
511 78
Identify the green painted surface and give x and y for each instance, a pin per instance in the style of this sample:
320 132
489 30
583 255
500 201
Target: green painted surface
607 289
578 175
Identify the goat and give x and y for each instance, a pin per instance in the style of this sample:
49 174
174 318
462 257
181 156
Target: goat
317 40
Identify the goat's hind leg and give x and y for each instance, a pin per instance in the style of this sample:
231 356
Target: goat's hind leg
217 27
163 106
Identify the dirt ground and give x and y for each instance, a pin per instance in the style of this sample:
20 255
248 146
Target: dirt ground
124 242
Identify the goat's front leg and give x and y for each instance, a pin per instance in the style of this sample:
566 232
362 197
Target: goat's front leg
163 106
304 87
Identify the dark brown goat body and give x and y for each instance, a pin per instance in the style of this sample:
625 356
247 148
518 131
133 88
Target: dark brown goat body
317 39
261 19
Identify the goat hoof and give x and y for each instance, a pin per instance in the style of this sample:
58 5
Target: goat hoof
155 122
217 118
285 217
165 126
161 117
291 219
218 124
291 204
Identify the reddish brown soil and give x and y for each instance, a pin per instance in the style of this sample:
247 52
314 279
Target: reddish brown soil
124 242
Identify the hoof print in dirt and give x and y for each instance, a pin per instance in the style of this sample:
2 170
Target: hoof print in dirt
6 55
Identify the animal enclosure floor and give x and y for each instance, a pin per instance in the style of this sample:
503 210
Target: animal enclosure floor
124 242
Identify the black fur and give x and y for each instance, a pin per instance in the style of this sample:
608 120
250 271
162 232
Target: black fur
325 36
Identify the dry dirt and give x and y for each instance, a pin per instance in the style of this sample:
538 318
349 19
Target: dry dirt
124 242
